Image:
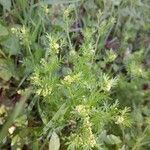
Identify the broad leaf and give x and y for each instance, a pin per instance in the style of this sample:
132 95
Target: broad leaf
6 4
11 46
7 69
3 31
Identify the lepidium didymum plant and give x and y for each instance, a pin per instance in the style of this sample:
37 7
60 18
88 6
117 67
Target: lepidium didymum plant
74 91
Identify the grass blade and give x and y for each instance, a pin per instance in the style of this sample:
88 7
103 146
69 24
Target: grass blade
18 108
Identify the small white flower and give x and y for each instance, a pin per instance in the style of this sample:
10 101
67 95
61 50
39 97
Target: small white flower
72 53
120 120
11 129
13 30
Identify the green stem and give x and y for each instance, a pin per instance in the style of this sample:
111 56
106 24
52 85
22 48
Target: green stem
30 53
68 36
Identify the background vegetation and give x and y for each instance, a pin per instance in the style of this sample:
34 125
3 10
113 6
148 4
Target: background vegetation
74 74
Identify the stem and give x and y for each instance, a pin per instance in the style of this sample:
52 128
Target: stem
96 45
22 81
68 36
3 54
30 52
123 134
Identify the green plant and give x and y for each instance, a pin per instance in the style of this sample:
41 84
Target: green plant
81 87
86 67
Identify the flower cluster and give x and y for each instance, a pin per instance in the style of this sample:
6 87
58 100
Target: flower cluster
53 44
46 9
82 110
44 90
85 137
3 113
71 79
23 34
111 56
90 139
107 83
120 120
123 118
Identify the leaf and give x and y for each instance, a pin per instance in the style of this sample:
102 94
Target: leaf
6 4
4 73
15 139
17 110
3 31
54 143
7 69
35 145
42 114
112 139
11 46
62 110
